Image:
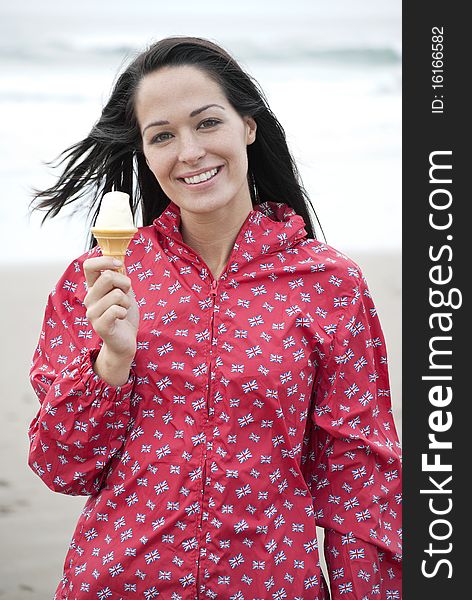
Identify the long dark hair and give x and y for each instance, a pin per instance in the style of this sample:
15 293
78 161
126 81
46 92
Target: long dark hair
111 156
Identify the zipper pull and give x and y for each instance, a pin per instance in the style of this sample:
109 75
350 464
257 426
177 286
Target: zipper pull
214 286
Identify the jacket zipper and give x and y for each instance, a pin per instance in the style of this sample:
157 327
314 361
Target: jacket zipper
213 291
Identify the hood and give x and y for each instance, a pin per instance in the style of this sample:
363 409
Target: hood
269 227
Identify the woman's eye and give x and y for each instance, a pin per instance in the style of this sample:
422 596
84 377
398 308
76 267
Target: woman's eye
209 123
161 137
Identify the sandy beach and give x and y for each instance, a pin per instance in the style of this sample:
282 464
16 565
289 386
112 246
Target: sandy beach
36 524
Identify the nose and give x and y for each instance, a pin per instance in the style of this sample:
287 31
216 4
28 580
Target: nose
190 149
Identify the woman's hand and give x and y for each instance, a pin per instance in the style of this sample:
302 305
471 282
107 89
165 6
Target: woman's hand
114 315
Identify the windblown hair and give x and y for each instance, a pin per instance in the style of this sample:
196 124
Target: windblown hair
111 156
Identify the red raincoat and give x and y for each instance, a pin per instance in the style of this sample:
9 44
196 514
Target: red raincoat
257 407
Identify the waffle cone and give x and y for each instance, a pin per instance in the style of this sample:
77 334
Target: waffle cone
114 242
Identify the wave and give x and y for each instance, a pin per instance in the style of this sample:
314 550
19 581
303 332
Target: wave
273 51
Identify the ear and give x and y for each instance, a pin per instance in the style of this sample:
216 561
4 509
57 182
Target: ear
251 127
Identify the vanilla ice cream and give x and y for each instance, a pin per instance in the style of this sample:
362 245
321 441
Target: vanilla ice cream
115 212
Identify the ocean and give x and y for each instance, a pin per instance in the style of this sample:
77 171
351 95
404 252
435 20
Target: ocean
331 72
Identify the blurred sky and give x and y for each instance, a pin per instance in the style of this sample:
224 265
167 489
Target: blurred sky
375 21
331 71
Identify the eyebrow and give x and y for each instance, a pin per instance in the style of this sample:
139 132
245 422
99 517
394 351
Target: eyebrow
194 113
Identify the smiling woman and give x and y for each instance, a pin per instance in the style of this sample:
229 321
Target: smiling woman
198 155
117 153
230 393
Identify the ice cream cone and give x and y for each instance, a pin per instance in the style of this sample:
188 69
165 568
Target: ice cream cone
114 242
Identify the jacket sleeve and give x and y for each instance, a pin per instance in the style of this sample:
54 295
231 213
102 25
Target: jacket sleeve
81 421
354 458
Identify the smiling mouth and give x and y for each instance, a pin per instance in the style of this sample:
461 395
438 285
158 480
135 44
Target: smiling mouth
202 177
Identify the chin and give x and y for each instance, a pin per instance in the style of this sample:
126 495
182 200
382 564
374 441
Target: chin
203 205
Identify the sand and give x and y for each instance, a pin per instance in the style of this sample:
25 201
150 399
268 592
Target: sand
36 524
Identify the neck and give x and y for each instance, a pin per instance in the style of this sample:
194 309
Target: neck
212 235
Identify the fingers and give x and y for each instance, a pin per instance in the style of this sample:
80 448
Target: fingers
104 326
93 267
111 306
115 297
103 282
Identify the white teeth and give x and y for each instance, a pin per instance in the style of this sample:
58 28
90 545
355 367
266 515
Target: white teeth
201 177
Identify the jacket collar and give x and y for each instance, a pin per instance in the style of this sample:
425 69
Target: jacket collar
269 227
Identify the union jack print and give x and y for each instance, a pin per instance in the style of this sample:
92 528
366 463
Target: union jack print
257 407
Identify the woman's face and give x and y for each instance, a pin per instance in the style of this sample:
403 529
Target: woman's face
194 141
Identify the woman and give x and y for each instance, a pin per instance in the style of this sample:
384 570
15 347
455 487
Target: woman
231 392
